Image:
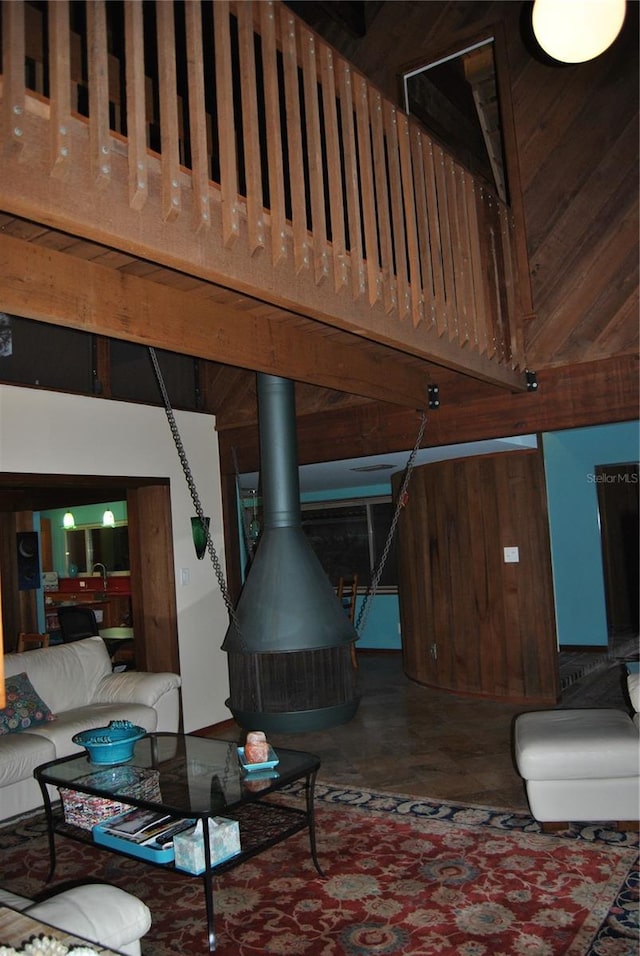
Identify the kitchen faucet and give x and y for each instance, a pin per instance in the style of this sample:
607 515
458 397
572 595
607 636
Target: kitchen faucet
104 574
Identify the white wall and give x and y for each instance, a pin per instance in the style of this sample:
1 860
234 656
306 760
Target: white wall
47 432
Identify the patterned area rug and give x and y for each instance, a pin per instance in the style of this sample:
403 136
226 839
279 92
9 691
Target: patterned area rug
403 877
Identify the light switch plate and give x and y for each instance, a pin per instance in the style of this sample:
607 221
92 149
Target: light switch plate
511 555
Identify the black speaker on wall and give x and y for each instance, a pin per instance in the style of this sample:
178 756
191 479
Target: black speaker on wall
28 560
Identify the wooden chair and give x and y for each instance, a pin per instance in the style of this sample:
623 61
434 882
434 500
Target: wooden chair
347 594
28 642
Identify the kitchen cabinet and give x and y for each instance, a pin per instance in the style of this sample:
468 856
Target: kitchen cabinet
113 606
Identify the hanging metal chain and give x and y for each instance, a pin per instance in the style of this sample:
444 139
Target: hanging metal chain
192 488
373 587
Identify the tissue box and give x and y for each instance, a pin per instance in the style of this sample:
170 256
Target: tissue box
224 839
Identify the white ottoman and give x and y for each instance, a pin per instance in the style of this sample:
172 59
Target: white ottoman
579 765
95 911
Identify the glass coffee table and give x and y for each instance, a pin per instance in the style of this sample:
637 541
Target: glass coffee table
190 778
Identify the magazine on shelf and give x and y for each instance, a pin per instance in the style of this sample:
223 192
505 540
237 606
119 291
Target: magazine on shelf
137 823
146 827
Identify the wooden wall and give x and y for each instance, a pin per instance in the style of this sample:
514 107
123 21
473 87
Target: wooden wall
472 623
576 138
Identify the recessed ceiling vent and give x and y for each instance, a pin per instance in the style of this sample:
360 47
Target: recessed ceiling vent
289 649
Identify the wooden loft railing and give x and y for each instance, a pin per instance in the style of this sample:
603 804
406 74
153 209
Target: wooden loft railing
228 141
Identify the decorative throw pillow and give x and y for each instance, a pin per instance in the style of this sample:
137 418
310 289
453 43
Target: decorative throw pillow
24 708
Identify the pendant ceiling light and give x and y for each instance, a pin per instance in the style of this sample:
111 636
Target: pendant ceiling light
108 520
574 31
68 522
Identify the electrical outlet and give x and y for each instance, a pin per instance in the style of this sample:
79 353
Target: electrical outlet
184 576
511 555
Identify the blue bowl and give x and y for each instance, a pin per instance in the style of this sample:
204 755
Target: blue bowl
112 744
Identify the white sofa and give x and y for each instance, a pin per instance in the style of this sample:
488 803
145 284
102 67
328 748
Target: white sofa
78 685
581 765
94 911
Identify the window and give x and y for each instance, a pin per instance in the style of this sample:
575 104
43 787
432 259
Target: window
456 98
92 544
349 537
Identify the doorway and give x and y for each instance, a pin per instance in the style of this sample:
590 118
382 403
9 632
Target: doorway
150 551
618 489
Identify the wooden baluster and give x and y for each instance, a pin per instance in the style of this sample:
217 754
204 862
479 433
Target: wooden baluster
13 51
460 247
171 195
59 86
197 117
367 191
98 69
136 105
478 331
389 290
447 194
275 145
396 206
492 235
294 139
435 236
513 329
351 183
499 325
226 125
428 295
251 139
447 321
410 204
315 160
334 167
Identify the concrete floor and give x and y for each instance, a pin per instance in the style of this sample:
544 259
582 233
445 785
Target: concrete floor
411 739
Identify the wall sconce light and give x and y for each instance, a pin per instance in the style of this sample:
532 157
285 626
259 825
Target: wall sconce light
68 522
199 535
108 520
574 31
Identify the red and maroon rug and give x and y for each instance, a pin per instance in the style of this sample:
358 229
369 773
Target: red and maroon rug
403 876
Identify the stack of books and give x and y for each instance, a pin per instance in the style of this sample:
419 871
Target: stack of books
146 833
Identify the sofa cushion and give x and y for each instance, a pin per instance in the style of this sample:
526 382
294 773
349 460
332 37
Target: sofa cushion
71 722
97 912
134 686
576 744
25 708
13 900
65 675
20 754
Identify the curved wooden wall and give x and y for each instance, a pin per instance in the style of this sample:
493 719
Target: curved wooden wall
471 623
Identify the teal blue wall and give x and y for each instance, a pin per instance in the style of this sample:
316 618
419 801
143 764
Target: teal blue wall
570 459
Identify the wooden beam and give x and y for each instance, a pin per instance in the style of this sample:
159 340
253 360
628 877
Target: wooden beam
595 393
40 283
218 254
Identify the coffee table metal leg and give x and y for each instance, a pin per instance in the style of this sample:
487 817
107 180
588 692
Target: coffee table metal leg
310 788
208 888
50 831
